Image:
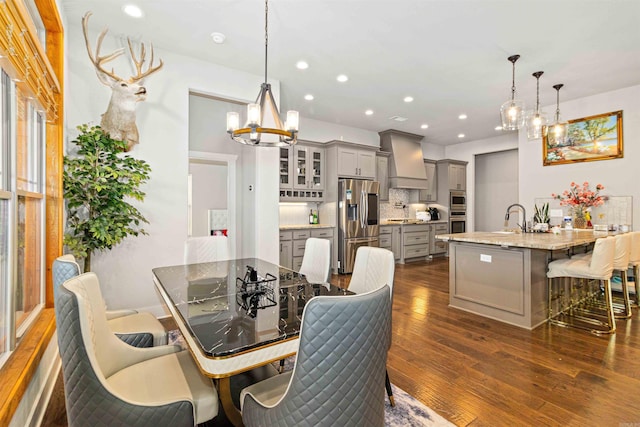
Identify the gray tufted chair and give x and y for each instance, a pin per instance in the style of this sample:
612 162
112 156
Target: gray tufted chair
108 383
339 373
134 328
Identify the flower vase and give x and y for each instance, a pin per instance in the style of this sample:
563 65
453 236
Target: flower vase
579 218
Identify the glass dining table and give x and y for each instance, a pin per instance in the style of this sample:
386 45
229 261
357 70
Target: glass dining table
237 315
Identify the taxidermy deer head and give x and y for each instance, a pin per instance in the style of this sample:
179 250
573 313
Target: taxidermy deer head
120 118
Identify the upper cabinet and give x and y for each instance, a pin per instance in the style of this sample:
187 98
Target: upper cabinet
382 175
356 163
302 173
452 175
308 168
431 193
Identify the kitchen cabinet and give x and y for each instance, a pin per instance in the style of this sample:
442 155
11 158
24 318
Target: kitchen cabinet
308 168
415 242
431 193
382 175
292 244
437 247
390 238
451 176
356 163
302 173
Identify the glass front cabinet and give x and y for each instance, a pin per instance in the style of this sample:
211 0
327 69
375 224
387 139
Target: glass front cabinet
304 179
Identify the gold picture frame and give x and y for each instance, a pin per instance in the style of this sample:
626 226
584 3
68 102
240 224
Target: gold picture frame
588 139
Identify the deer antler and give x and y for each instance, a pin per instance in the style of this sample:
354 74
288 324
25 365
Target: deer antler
140 75
98 60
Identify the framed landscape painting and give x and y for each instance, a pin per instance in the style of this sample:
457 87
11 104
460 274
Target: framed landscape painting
590 138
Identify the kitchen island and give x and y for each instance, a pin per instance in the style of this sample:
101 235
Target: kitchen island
502 275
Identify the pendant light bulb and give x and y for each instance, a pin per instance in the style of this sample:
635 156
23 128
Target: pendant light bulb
512 111
558 128
536 120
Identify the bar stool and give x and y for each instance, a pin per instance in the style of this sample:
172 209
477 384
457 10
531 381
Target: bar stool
597 267
621 259
634 262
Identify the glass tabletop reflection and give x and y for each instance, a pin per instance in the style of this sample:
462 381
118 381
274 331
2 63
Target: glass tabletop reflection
229 310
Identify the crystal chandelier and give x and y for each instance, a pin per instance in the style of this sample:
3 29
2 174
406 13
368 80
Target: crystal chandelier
558 129
536 120
264 127
512 111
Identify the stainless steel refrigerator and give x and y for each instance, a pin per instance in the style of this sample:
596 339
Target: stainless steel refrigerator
358 219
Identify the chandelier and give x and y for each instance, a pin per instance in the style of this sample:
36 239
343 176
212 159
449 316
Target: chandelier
264 127
512 111
558 128
536 119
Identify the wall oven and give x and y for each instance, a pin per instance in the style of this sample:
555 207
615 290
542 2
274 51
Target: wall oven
457 222
458 200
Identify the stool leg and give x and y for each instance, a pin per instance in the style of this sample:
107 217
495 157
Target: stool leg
636 271
387 384
609 308
625 295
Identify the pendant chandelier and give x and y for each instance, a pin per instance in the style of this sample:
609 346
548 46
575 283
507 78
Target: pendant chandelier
558 129
536 120
512 111
264 127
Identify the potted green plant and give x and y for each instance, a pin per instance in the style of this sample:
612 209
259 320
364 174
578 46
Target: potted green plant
541 215
98 180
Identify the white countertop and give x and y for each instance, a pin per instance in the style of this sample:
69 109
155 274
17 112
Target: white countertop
413 222
304 226
548 241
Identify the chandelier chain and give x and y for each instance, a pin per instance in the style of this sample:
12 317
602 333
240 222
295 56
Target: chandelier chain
513 81
266 36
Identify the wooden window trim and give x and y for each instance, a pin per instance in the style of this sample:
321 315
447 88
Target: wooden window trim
17 372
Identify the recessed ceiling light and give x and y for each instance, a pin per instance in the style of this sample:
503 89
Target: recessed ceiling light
498 128
302 65
218 38
408 99
368 112
461 135
342 78
462 116
132 10
424 126
308 97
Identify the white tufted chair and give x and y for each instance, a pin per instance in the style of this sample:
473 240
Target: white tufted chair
139 329
599 266
206 249
634 262
107 382
372 269
316 262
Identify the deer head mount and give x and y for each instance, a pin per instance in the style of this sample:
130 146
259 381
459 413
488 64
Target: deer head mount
120 118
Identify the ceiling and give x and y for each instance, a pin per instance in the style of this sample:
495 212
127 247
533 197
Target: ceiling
449 55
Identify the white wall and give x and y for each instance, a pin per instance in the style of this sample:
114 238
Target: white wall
495 187
125 271
209 191
467 151
315 130
432 151
619 176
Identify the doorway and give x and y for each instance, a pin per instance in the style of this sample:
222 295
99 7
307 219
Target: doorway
496 187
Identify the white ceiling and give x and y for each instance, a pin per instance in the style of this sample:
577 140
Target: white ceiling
450 55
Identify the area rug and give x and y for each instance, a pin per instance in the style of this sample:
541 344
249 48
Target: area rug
408 412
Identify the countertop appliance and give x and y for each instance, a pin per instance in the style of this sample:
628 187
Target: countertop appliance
433 212
358 219
423 215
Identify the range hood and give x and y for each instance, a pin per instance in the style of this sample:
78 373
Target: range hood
406 165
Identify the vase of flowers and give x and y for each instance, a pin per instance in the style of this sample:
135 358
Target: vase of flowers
580 198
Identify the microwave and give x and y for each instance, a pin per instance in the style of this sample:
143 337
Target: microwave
458 200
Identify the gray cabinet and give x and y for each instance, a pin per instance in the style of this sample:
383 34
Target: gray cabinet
431 193
286 167
382 175
356 163
452 175
302 173
437 247
457 177
415 242
292 244
391 238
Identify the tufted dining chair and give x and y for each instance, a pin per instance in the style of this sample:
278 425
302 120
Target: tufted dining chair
107 382
316 261
372 269
139 329
338 375
206 249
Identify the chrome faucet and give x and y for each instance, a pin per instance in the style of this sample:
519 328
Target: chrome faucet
524 215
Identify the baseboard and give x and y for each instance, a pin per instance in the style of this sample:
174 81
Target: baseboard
40 408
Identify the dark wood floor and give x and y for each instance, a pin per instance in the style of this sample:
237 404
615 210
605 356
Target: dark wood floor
474 371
